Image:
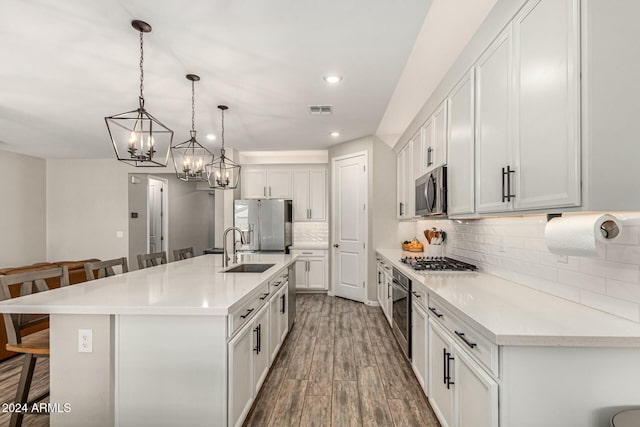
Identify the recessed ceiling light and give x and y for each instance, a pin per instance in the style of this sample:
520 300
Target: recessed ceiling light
211 137
335 134
332 78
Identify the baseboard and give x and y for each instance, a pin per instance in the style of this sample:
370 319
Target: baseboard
331 293
372 303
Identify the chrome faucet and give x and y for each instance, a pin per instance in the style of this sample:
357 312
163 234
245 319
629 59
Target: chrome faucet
225 256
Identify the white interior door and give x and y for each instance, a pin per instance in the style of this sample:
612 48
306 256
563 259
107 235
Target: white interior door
350 227
155 209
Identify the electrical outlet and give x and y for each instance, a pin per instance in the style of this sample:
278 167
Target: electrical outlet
85 340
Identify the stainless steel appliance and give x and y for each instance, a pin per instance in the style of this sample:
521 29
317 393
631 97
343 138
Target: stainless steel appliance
431 193
437 264
267 224
401 297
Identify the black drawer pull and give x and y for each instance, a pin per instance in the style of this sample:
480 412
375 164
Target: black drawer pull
417 295
466 341
276 284
264 296
433 310
244 316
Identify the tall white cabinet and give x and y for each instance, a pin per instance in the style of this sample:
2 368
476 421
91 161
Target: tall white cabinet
310 194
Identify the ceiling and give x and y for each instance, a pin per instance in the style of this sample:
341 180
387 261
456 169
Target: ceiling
68 64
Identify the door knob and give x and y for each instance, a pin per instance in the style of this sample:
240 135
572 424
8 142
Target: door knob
335 245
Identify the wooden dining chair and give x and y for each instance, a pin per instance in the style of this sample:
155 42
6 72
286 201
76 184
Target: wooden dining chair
33 345
151 260
180 254
104 268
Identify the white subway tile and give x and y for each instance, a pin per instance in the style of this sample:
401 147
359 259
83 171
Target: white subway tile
624 253
608 269
623 290
626 309
583 281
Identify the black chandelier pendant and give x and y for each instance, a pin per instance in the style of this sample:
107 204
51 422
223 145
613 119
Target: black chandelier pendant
223 173
190 157
138 138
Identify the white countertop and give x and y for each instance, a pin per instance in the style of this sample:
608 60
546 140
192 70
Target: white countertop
195 286
512 314
309 245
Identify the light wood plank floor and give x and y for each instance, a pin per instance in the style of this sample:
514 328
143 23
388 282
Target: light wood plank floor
10 374
340 366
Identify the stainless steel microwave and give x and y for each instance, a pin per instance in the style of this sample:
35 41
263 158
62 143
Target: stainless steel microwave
431 193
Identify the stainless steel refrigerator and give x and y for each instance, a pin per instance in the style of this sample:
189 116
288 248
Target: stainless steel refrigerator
267 224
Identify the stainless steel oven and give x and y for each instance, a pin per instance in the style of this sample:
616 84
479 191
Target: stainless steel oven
401 289
431 193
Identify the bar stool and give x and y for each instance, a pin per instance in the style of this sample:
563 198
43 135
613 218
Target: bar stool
105 268
627 418
33 345
151 260
180 254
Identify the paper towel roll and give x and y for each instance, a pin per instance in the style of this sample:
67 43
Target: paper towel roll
577 234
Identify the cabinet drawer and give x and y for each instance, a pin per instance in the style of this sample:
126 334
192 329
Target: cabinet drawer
276 284
476 344
309 252
420 295
246 311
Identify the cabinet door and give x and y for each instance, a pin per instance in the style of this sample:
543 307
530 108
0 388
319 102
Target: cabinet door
400 183
254 183
427 138
240 375
260 347
416 160
274 325
441 365
419 330
388 307
301 195
382 297
477 394
409 185
318 195
461 164
302 281
493 124
316 273
439 155
283 305
279 184
547 105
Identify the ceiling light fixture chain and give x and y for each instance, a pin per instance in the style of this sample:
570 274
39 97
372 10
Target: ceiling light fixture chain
193 106
141 97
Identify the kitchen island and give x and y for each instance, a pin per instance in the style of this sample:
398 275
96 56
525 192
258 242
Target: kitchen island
167 343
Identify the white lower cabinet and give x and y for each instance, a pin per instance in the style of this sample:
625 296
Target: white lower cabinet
240 375
311 269
462 394
278 321
261 347
384 289
419 338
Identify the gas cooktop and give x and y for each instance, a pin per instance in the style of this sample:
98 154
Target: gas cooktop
437 264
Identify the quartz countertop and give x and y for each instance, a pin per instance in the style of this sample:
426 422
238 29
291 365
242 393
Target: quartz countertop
195 286
513 314
309 245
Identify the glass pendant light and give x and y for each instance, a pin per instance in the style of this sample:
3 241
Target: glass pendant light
223 173
138 138
190 157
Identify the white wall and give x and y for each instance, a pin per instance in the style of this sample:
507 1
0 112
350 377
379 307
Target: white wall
514 248
23 218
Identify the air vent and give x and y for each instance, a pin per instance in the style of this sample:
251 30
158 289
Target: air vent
320 109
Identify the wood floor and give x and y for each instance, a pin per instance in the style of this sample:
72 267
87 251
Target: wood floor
9 375
340 366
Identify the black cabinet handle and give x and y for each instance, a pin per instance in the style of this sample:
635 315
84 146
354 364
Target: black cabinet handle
264 296
417 295
256 348
466 341
448 377
388 289
244 316
433 310
507 173
284 302
276 284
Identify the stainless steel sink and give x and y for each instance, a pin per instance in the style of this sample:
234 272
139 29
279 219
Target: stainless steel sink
249 268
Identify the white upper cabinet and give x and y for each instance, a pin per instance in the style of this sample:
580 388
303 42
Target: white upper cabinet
426 136
253 183
406 182
310 194
547 105
493 125
439 146
260 182
461 167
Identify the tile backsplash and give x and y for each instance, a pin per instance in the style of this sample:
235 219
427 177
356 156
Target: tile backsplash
514 248
310 232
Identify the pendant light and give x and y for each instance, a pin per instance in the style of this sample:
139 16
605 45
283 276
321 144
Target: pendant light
223 173
190 157
138 138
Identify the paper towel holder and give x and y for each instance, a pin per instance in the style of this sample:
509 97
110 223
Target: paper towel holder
609 229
